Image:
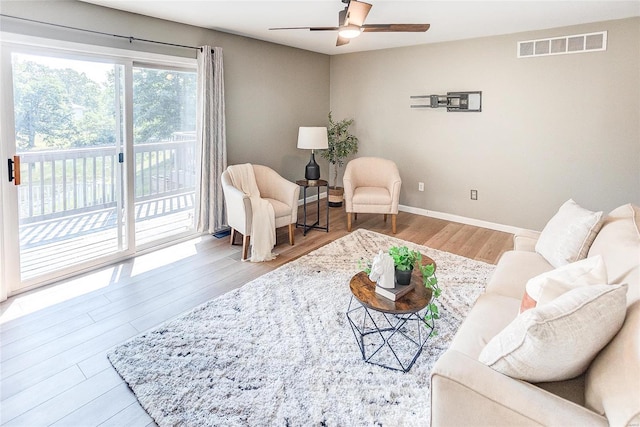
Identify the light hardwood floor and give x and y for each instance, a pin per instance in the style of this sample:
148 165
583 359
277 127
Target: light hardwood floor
53 365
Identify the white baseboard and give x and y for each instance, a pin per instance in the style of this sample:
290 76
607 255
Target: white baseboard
461 219
313 198
441 215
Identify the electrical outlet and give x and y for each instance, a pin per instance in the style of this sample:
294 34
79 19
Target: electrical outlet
421 186
474 194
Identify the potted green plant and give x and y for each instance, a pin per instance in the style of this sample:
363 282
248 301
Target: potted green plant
430 281
407 260
404 259
341 145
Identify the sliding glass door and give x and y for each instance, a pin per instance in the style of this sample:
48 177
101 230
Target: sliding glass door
68 139
100 157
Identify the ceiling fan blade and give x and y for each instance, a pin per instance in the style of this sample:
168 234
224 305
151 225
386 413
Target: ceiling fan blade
307 28
356 13
342 41
399 28
324 29
342 16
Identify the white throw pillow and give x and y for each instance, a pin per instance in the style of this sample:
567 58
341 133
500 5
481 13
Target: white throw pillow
568 235
548 286
558 341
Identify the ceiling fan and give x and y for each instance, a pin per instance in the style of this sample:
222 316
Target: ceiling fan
351 23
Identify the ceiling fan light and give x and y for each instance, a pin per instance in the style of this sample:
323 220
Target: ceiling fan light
349 31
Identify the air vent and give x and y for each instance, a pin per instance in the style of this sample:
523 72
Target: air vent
579 43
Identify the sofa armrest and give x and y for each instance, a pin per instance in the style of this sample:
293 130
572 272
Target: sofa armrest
525 240
465 391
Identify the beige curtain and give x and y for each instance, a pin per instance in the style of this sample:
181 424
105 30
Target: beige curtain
211 140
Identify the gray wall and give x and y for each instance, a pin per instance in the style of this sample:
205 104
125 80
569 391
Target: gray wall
270 89
552 128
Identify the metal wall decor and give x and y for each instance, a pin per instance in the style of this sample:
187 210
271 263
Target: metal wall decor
453 101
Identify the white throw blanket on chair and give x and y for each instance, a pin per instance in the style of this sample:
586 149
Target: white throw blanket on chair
263 220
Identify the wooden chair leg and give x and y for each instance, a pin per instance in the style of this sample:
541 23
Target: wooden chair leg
349 221
385 217
355 216
245 246
233 236
393 223
291 230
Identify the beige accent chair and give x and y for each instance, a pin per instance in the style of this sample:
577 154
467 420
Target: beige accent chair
372 185
282 194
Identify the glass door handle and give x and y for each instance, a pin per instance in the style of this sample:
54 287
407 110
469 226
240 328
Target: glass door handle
14 170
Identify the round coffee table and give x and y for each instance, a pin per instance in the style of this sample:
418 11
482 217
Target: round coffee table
390 333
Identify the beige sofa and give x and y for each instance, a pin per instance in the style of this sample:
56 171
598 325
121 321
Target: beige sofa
465 392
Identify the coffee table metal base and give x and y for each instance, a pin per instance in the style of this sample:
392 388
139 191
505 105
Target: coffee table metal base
401 335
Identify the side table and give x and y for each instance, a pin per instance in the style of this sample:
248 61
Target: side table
389 333
318 184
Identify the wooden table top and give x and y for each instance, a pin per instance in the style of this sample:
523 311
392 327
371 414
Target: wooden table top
415 300
312 183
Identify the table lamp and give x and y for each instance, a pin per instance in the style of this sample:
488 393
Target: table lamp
312 138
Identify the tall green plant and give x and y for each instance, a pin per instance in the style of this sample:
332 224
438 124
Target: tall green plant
341 145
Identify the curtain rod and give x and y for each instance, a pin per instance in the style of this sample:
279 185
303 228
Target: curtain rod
130 38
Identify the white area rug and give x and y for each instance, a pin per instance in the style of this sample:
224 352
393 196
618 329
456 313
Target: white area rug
280 351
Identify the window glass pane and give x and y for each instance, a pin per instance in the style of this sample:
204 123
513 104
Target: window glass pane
68 134
164 104
164 116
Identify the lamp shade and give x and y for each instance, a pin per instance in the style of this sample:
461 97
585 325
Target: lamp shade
313 138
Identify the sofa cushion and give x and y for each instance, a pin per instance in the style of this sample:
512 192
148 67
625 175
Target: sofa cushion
613 379
489 315
280 209
612 385
568 235
525 240
619 244
541 345
371 196
513 271
548 286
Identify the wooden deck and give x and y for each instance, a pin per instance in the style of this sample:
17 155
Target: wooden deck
59 243
53 341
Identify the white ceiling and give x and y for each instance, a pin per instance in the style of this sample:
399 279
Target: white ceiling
450 20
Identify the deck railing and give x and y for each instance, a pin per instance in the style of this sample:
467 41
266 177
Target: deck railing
71 181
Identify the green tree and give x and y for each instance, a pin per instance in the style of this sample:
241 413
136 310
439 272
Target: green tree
61 107
95 102
41 105
164 103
